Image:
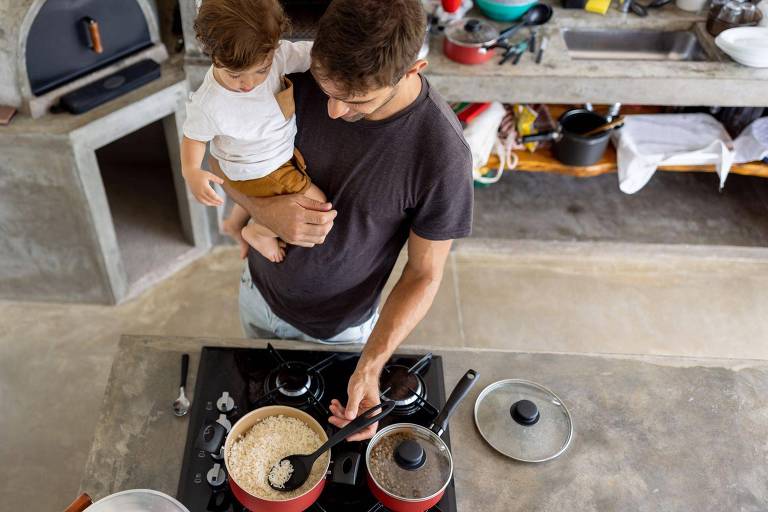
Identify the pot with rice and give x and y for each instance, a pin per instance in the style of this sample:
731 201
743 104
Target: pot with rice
254 451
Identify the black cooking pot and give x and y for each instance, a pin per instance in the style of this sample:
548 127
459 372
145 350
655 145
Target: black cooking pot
571 147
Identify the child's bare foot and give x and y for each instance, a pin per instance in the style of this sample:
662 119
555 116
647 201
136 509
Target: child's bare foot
233 230
268 246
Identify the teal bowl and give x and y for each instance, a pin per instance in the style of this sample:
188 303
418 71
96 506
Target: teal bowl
504 12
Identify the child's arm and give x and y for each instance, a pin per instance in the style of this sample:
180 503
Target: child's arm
192 154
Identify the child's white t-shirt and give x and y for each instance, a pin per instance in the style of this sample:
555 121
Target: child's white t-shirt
250 136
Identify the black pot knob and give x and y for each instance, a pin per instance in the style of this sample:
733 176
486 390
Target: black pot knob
410 455
472 25
525 412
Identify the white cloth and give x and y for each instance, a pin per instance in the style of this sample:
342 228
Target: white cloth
752 144
649 141
482 136
249 133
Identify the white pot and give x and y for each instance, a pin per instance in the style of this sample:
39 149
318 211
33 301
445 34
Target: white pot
691 5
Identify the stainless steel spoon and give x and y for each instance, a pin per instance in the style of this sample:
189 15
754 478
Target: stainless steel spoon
181 404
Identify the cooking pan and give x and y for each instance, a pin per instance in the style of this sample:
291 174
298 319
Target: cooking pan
409 466
212 437
571 145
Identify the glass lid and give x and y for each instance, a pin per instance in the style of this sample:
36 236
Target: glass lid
471 32
523 420
409 461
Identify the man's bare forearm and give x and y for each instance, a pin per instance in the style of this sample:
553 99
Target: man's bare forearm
405 307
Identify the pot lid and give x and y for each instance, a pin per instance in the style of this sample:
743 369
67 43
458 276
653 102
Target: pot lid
409 461
471 31
138 500
523 420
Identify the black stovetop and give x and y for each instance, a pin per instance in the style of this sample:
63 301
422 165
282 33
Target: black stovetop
249 377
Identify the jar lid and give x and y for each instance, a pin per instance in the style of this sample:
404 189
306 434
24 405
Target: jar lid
409 461
523 420
471 31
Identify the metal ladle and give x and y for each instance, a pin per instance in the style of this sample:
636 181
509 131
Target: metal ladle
181 404
301 465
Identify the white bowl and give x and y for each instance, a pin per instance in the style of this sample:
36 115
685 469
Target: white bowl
745 45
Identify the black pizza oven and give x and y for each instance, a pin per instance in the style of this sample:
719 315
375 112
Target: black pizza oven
57 47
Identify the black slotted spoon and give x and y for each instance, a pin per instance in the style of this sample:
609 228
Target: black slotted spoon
302 464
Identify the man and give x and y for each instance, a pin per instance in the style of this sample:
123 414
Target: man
390 155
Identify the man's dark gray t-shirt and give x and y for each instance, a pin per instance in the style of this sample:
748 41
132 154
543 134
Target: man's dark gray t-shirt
410 172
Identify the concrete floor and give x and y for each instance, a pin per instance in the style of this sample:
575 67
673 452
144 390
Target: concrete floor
508 291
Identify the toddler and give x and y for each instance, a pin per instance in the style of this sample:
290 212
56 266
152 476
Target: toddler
245 108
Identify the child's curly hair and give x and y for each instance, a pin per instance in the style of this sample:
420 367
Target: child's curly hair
238 34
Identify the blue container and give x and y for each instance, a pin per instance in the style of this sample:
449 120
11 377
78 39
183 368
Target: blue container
499 11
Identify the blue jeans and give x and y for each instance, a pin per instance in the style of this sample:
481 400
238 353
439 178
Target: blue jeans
259 321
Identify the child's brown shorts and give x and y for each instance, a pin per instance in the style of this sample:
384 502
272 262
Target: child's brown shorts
289 178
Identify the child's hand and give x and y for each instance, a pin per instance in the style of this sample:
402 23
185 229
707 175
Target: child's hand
198 182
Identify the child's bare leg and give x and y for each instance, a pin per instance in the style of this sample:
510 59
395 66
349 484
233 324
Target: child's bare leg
265 241
315 193
233 226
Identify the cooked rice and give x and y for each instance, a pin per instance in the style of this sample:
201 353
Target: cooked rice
280 474
252 456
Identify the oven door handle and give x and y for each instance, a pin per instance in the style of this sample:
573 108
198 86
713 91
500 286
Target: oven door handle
92 34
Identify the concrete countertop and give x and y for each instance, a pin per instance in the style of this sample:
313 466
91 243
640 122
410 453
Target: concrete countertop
651 433
561 79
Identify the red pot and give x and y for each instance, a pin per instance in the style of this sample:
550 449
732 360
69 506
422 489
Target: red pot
254 503
427 452
470 41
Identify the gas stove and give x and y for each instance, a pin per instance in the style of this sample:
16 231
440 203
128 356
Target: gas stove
232 382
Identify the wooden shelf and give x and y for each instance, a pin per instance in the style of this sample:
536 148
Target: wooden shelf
543 160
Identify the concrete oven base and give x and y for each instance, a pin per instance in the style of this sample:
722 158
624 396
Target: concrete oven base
59 241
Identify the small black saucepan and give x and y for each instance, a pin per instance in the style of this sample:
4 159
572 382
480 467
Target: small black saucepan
571 146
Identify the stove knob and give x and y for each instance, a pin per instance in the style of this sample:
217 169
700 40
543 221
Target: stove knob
216 476
225 403
219 456
224 422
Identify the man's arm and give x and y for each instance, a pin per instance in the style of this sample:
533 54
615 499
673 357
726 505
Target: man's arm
406 305
295 218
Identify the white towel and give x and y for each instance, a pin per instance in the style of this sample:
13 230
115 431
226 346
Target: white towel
752 144
649 141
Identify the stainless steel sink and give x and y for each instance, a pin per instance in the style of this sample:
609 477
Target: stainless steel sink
622 44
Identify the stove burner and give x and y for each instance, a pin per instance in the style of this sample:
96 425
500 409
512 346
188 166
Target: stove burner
293 381
295 384
404 387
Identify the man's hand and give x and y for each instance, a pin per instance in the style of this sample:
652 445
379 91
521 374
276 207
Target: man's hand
363 391
296 218
198 182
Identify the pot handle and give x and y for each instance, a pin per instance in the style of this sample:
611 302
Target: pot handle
363 420
457 395
81 503
538 137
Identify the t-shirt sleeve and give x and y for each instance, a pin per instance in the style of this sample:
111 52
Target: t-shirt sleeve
293 57
444 211
198 125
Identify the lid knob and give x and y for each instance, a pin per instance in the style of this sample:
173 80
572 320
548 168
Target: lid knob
472 25
525 412
410 455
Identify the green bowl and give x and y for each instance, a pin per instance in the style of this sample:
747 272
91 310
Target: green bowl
504 12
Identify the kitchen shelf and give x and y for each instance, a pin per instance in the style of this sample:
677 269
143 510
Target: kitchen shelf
542 160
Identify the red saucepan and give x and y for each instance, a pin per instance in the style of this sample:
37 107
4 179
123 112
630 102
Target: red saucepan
409 466
470 41
212 436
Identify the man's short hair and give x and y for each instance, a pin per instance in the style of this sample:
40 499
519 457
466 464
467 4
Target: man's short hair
368 44
238 34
